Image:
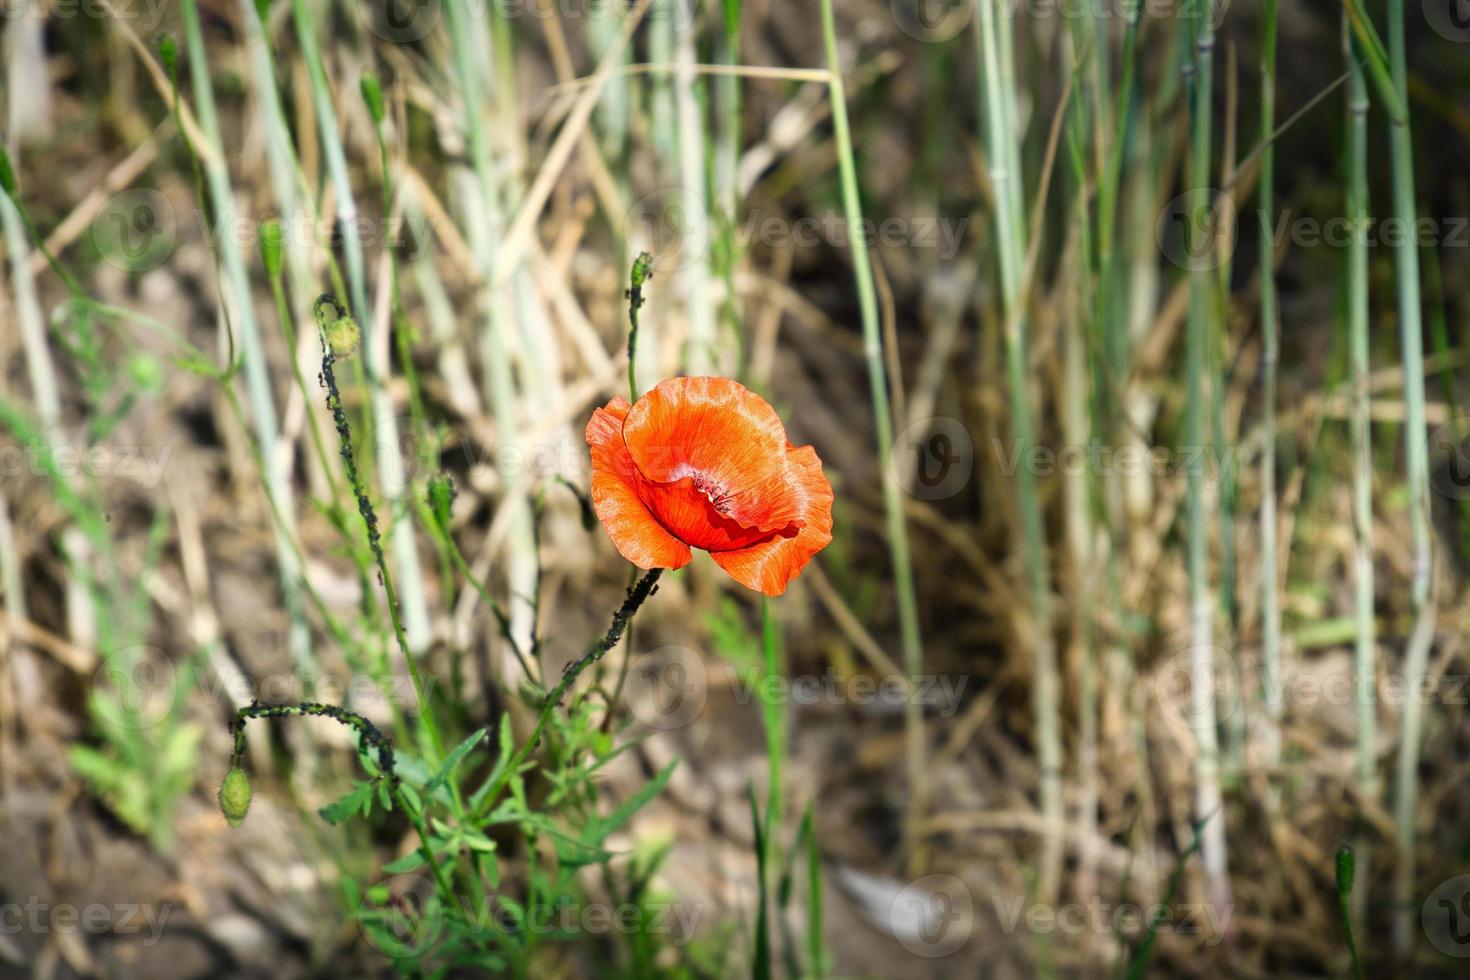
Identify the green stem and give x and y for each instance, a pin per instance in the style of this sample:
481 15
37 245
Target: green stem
369 738
639 593
775 719
370 518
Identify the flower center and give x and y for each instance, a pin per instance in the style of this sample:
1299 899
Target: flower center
718 498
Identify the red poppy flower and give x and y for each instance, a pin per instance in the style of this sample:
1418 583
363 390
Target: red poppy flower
704 463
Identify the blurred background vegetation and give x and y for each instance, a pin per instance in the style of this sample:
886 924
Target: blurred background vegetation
1129 334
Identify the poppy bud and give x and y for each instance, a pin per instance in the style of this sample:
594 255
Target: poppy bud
344 336
145 371
642 270
7 175
441 499
1346 868
234 796
372 94
271 241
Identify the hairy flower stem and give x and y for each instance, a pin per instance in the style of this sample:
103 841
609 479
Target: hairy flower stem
638 277
641 273
369 739
369 516
622 619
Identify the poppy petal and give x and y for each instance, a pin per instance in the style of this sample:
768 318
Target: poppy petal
728 438
635 532
770 565
693 517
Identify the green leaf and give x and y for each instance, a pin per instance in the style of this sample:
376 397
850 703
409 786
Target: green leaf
599 827
412 771
413 859
358 800
8 182
506 738
761 968
452 761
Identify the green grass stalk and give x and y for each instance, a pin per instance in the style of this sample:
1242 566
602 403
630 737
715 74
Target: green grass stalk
1362 455
415 610
243 323
81 612
1416 658
1270 360
898 542
1000 98
774 710
484 228
1200 330
701 352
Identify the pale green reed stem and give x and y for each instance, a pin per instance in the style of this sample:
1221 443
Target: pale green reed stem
411 593
1416 659
1011 235
484 228
726 165
700 353
898 541
1357 212
1202 283
241 307
81 613
1270 358
1362 454
603 21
